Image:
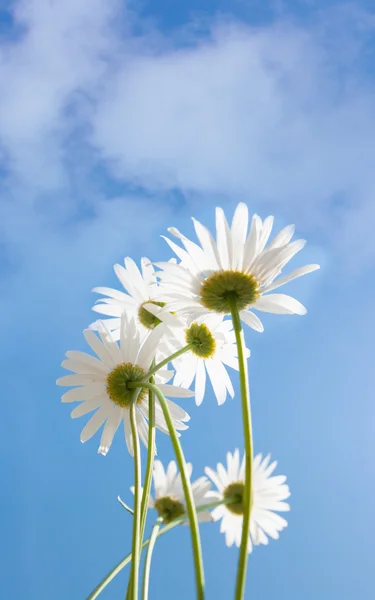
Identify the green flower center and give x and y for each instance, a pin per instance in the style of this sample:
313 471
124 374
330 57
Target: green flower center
147 319
117 384
235 491
219 290
202 340
169 508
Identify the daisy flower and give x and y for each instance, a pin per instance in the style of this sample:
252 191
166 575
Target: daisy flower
100 384
237 265
169 499
214 346
268 495
142 288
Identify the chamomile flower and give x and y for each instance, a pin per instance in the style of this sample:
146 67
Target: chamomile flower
101 384
169 499
238 268
214 348
269 493
142 288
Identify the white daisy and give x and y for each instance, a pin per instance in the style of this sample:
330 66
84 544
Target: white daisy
237 267
169 494
101 384
215 346
268 495
141 288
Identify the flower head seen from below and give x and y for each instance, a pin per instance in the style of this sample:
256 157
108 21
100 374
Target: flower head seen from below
269 493
214 348
238 268
142 288
169 500
100 384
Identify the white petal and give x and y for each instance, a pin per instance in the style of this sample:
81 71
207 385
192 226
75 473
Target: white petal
142 428
293 275
94 423
280 304
98 347
110 345
214 370
171 473
136 276
114 294
175 391
84 393
218 512
110 429
200 382
128 433
223 239
70 380
251 244
214 477
266 232
208 245
148 350
251 320
160 479
238 235
283 237
147 270
93 363
86 407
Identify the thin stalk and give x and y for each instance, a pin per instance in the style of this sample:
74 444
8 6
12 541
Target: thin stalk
248 443
148 472
137 506
125 561
186 484
130 510
167 360
150 461
150 549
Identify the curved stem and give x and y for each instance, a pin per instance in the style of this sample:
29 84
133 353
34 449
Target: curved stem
122 564
146 577
248 443
186 484
130 510
167 360
137 506
125 561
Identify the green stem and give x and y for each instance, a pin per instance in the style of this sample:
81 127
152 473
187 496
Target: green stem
248 443
137 506
146 577
150 461
122 564
148 472
167 360
186 484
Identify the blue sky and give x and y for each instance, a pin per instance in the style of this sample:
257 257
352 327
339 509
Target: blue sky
116 122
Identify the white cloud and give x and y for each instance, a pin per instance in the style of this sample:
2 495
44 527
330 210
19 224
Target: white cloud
281 113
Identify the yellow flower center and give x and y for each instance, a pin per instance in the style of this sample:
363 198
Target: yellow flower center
169 508
235 491
202 340
219 290
117 384
147 319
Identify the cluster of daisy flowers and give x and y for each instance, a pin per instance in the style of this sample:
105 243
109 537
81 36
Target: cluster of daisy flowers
173 324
